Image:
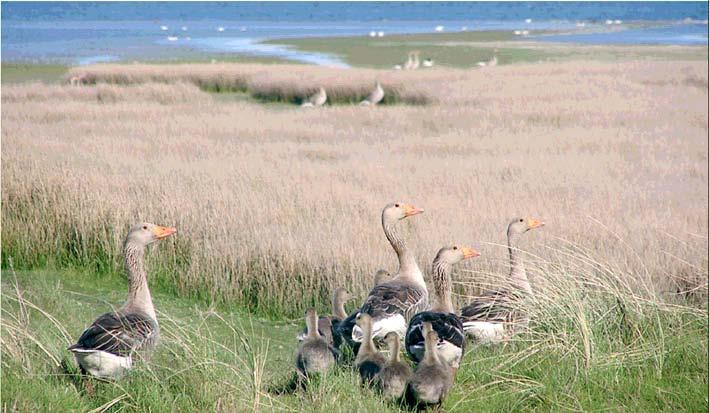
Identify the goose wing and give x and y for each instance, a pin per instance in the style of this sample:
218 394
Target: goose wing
118 333
395 298
495 307
448 326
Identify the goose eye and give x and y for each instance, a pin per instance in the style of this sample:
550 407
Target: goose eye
455 248
396 205
521 220
145 227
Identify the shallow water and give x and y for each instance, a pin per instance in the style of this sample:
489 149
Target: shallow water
90 32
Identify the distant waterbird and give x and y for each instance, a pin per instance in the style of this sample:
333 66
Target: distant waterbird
374 97
317 99
427 62
183 28
163 28
220 29
439 28
464 29
372 34
172 38
527 21
380 34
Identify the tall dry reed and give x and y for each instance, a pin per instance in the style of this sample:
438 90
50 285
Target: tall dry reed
276 207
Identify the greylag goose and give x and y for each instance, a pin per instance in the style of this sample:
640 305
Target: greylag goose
369 361
432 378
445 322
105 349
328 325
487 316
318 99
375 97
409 61
314 354
392 378
381 276
393 303
416 63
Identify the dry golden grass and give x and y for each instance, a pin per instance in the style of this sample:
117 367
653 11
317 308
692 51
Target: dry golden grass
276 206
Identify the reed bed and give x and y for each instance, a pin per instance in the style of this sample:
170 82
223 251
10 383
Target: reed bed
276 207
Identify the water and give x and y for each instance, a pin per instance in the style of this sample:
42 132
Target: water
90 32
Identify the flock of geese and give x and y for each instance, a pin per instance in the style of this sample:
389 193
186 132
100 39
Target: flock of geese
398 307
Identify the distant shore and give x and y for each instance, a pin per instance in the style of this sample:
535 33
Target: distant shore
455 50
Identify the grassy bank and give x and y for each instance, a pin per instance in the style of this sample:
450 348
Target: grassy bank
596 354
466 49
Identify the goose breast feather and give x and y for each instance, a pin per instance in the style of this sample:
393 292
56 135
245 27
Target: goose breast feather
449 328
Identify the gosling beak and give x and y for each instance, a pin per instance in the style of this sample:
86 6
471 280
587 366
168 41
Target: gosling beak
163 232
469 253
534 223
410 210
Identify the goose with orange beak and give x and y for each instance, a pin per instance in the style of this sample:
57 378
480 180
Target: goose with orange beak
392 304
106 347
494 316
448 326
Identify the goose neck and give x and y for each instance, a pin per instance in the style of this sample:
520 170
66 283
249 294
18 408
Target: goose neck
518 273
139 298
442 287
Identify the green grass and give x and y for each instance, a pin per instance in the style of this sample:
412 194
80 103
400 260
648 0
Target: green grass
221 358
28 72
465 49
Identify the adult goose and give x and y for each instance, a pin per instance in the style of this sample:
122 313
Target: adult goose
392 304
487 317
445 322
105 349
328 325
318 99
432 379
392 378
375 97
314 354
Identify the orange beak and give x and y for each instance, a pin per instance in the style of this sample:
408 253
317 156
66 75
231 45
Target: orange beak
469 253
534 223
410 210
163 232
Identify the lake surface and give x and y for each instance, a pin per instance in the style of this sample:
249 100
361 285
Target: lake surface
91 32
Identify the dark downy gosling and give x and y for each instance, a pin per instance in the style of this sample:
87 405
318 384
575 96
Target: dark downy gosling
433 378
392 378
314 356
369 361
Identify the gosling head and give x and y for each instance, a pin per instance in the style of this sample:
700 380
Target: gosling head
341 295
146 233
519 226
363 320
398 210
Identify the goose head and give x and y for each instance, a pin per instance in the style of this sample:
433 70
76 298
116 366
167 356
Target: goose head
519 226
455 254
146 233
397 211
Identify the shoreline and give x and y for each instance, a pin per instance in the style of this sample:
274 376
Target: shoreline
452 49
